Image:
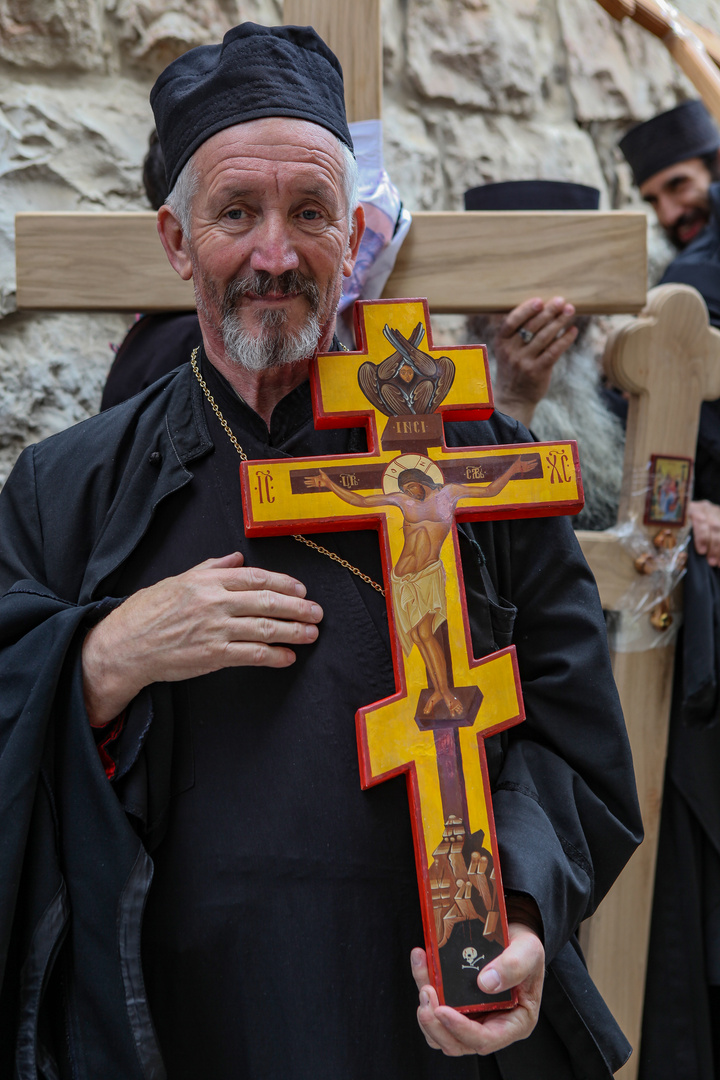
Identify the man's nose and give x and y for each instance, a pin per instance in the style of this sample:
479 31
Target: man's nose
273 250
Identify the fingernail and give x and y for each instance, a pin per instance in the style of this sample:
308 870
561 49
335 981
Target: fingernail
537 305
424 998
415 959
569 309
316 611
300 589
489 980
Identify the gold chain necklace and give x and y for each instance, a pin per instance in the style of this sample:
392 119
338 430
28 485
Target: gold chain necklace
296 536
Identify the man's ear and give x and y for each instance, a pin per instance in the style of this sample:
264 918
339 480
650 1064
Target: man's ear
354 242
173 240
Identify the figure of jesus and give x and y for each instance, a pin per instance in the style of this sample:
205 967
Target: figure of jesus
418 577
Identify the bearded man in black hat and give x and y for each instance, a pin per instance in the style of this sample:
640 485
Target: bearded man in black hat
674 161
193 883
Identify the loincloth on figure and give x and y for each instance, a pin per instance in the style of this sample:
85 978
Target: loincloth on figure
414 597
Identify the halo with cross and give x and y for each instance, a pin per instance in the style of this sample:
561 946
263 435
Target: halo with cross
409 461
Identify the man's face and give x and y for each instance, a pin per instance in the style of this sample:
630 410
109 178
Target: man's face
270 241
679 196
415 490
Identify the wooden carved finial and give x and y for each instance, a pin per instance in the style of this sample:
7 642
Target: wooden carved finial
669 345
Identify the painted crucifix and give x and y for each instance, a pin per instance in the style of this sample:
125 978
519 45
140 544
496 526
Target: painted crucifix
418 578
413 489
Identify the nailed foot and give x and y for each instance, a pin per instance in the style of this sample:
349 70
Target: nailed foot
431 703
454 705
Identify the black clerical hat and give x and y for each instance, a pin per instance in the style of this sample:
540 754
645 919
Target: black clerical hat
687 131
532 195
258 71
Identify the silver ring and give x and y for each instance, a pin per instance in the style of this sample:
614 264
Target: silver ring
526 335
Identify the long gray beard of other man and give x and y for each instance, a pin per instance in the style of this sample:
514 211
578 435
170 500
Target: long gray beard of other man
574 409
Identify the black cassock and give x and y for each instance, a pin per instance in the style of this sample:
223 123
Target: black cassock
281 899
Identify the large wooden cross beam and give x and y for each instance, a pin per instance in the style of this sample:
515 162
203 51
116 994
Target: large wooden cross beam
464 262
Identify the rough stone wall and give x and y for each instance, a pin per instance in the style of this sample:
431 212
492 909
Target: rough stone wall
475 91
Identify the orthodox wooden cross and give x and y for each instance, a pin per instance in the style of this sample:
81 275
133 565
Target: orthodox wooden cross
412 488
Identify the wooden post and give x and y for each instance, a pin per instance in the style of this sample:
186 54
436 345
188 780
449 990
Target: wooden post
354 33
669 361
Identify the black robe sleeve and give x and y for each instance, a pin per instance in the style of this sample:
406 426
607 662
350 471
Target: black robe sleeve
65 845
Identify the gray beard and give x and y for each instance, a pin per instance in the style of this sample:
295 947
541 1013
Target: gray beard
273 346
574 409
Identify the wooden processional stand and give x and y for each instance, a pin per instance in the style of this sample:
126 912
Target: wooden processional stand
668 359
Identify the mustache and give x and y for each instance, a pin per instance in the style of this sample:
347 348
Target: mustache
261 283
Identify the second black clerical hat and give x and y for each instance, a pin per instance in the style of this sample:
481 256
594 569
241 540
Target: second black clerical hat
257 71
687 131
532 195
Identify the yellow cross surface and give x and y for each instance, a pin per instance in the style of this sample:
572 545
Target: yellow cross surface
413 489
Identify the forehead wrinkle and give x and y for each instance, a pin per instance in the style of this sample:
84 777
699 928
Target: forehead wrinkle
269 139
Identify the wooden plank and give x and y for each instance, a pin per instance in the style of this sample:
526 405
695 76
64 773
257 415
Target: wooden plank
709 38
612 566
353 31
462 262
95 262
483 261
615 941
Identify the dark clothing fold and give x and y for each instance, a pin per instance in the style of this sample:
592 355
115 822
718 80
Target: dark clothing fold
280 901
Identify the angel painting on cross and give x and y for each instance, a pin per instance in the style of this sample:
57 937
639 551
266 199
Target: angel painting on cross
418 577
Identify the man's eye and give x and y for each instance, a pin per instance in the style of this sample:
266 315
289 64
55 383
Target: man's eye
310 215
235 215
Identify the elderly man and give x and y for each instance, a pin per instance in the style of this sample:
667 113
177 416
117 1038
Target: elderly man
231 903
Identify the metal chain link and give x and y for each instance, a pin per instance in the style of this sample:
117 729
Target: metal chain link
337 559
214 404
296 536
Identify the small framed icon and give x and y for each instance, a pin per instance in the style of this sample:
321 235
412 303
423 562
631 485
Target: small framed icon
668 490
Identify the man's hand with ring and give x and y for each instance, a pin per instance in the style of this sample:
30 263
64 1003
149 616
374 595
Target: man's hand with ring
529 342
